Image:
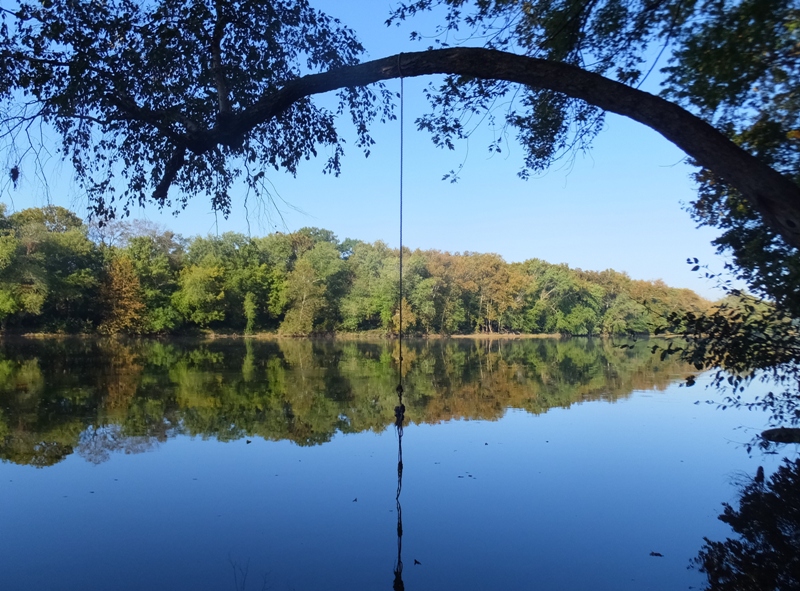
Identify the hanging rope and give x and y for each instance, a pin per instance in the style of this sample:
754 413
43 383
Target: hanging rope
400 409
400 329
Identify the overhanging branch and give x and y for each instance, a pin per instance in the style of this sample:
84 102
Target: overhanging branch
775 196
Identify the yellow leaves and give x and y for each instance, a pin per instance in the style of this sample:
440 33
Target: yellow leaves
121 295
409 318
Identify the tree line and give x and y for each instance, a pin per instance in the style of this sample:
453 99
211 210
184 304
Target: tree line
58 274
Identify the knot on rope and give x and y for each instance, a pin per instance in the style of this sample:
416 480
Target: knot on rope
399 414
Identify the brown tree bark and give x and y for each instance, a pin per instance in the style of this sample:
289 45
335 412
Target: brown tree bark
772 194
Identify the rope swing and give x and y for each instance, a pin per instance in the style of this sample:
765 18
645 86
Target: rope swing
400 328
400 409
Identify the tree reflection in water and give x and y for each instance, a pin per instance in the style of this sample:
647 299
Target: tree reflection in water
108 396
766 555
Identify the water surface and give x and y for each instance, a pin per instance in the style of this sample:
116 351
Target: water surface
538 464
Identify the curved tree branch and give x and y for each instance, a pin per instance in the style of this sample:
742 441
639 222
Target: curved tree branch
171 170
775 196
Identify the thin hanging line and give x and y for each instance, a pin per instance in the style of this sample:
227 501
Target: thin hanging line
400 329
400 409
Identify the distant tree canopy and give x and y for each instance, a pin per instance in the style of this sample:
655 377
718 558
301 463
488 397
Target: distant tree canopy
53 277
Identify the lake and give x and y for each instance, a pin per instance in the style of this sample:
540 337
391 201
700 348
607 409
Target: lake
238 465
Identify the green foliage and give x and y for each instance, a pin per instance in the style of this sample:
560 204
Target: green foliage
201 294
157 261
52 277
314 288
108 78
250 312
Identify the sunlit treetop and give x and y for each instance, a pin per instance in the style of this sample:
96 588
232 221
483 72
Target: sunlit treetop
133 89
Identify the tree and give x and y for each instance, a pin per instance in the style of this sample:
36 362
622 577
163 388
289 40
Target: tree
157 259
197 95
201 295
191 95
22 286
57 268
244 271
313 287
120 294
373 295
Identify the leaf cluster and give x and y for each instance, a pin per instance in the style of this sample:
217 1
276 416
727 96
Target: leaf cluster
134 91
609 37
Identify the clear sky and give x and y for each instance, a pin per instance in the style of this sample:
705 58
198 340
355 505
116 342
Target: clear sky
619 206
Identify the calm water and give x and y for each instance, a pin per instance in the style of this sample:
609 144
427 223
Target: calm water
274 465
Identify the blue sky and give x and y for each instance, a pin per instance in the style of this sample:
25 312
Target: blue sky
619 206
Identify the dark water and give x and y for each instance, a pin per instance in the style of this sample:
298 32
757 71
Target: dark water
274 465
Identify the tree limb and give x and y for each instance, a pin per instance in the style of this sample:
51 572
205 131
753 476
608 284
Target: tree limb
773 195
171 170
216 59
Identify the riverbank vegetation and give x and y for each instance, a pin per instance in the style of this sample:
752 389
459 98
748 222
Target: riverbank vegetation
59 275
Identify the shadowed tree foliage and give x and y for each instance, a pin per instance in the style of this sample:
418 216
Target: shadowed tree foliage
122 81
197 95
766 553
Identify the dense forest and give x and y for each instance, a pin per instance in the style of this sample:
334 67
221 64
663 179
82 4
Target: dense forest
58 274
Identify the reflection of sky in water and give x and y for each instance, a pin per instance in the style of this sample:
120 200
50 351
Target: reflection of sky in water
571 499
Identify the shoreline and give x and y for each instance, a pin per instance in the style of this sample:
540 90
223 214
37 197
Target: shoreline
343 336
